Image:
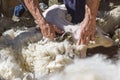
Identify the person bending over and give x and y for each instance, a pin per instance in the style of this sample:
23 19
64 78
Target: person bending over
82 11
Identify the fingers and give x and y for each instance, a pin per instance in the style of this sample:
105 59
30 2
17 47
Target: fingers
87 29
51 33
48 32
84 39
92 36
85 34
58 30
51 36
81 39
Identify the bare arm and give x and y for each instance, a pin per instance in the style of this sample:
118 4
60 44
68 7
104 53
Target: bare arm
88 25
33 7
93 5
47 29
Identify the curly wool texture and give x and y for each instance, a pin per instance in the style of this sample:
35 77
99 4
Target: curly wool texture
45 57
41 58
93 68
116 36
9 69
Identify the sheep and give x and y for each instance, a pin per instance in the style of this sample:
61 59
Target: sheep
42 56
59 12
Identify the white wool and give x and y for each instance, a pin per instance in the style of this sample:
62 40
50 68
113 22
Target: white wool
18 32
93 68
116 36
115 13
9 69
46 57
13 33
41 58
10 32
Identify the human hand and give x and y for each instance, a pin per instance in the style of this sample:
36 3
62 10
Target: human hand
87 29
50 30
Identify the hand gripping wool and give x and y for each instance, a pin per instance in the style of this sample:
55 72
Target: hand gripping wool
41 57
57 15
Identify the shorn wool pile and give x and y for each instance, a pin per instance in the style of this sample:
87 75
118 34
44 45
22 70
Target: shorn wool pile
26 55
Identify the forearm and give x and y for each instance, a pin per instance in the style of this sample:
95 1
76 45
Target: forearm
93 5
33 7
